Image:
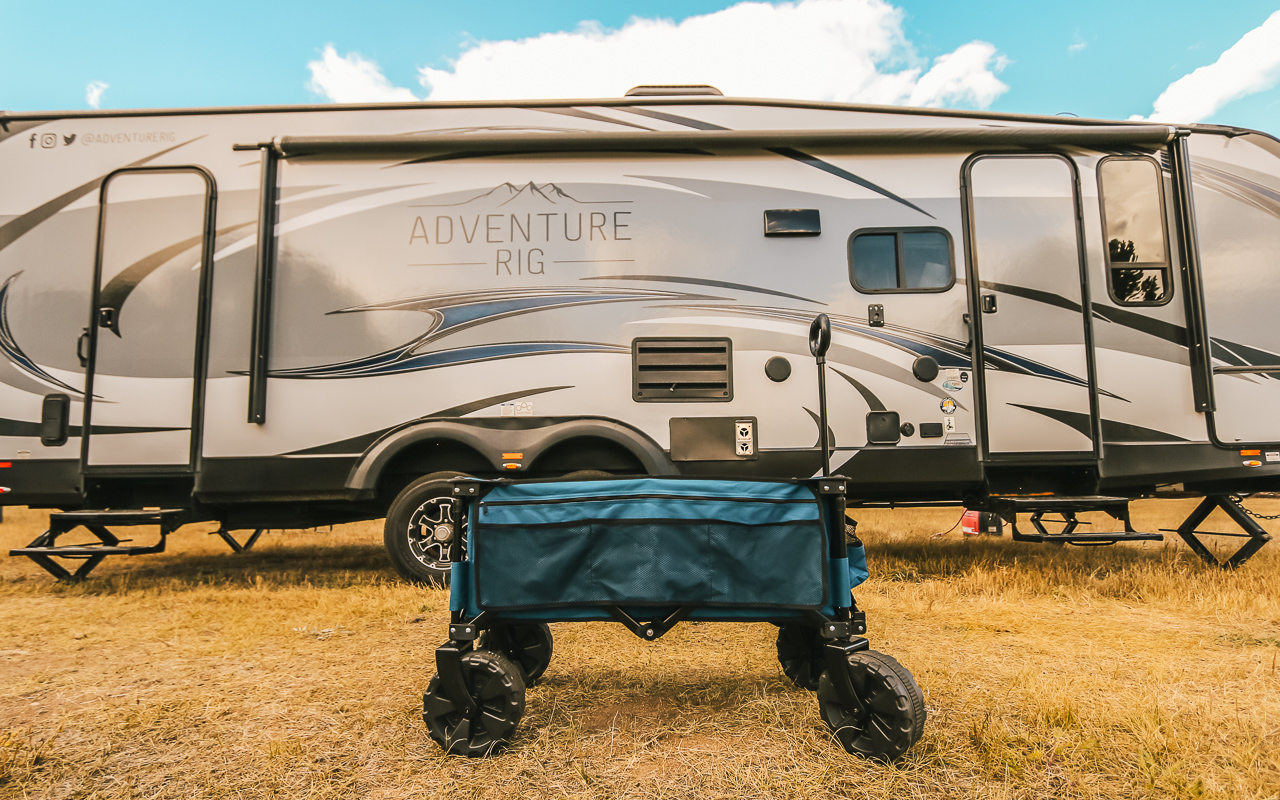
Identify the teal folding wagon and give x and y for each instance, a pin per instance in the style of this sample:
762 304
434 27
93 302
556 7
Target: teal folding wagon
649 553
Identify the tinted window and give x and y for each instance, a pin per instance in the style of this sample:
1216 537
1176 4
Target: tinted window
1133 214
875 262
926 260
905 260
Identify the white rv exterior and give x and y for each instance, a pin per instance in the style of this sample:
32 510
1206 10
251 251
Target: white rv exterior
285 316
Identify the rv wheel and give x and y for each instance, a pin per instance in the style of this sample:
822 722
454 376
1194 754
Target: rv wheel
420 528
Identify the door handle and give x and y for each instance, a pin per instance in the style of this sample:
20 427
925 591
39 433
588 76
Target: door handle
82 348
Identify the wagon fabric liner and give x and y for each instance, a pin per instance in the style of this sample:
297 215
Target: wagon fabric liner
732 550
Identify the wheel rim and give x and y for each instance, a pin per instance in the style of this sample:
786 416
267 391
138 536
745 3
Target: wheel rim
425 548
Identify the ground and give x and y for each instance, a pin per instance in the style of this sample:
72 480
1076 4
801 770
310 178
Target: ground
297 670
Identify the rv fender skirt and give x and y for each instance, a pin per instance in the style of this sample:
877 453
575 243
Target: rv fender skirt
925 369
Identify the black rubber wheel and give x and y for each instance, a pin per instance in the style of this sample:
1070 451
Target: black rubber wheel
892 715
417 555
527 645
498 691
800 652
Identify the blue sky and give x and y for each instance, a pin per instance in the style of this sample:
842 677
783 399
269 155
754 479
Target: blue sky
1092 58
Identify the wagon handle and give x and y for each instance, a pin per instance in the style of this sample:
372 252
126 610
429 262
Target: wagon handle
820 337
819 342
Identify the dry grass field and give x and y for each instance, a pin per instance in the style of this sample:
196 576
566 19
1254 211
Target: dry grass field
296 670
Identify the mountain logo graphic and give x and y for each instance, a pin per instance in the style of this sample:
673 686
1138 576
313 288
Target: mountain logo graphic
67 140
508 192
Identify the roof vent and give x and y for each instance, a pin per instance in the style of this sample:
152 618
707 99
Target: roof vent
684 90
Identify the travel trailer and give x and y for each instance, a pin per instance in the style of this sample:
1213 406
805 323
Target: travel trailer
286 317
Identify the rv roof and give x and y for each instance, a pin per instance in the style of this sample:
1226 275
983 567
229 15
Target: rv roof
669 99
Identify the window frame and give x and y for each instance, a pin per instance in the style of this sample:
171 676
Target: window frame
1166 266
899 255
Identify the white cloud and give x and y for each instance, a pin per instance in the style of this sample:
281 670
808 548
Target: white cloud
353 79
1250 65
1077 45
965 76
93 93
844 50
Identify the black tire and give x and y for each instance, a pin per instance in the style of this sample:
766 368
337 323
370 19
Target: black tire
586 475
527 645
417 557
498 691
893 714
800 652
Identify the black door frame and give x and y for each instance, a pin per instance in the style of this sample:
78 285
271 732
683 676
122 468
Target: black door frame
203 303
978 346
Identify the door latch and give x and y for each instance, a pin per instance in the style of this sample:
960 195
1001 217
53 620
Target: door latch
988 304
82 348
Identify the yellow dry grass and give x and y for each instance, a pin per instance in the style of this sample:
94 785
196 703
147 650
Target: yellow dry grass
296 670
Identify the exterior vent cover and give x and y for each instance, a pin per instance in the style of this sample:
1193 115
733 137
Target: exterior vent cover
665 370
684 90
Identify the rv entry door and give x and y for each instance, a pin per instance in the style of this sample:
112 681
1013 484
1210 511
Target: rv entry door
153 235
1027 285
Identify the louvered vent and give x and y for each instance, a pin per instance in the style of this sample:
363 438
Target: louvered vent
682 369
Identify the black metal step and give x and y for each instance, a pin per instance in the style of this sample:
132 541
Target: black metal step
1056 502
87 550
126 516
1092 538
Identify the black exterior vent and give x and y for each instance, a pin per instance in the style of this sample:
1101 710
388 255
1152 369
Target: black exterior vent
665 370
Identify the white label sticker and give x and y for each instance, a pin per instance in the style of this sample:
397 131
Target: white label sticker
1273 456
949 424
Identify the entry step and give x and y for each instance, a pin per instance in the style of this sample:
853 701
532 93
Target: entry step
88 550
1090 538
1058 502
125 516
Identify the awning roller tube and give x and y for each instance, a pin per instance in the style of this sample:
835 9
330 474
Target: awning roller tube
1150 136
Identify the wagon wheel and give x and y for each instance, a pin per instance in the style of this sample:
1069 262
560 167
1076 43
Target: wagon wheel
891 714
528 646
498 691
800 652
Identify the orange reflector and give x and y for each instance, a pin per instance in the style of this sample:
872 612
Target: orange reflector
512 466
512 456
1250 452
5 464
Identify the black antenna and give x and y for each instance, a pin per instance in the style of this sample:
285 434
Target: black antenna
819 341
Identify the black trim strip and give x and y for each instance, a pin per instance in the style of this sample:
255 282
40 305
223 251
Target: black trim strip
264 288
672 118
583 114
1243 370
832 169
700 282
1112 431
1193 296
